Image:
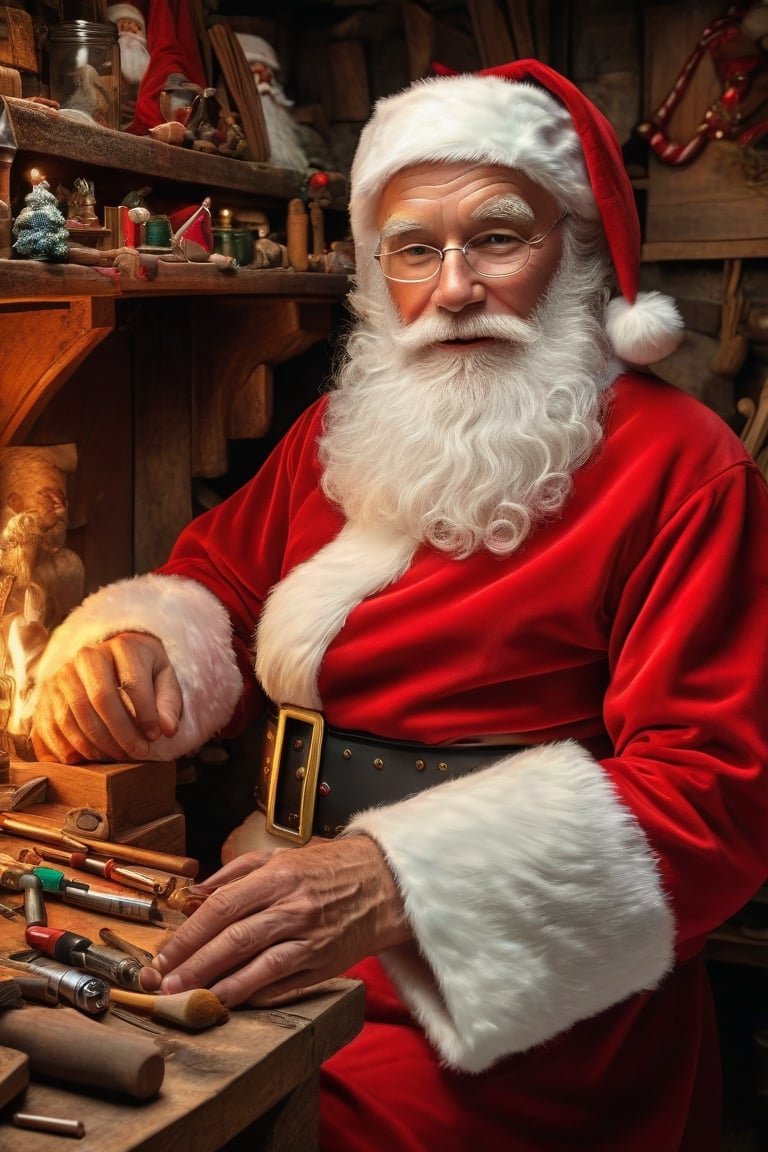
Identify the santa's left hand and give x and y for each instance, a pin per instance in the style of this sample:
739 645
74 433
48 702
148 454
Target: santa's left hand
280 923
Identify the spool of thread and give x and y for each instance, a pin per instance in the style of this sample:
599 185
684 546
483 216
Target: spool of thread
224 242
157 232
239 243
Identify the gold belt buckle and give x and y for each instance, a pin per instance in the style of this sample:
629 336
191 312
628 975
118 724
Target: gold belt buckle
307 773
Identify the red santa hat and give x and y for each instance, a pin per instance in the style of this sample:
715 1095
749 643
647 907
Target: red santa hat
525 116
258 51
117 12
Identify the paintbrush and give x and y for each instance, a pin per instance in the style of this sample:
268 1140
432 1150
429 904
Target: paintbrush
194 1010
10 993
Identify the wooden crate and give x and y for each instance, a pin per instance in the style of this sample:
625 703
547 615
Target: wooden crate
168 834
129 795
713 197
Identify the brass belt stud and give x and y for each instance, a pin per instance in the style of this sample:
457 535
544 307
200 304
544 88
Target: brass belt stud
378 763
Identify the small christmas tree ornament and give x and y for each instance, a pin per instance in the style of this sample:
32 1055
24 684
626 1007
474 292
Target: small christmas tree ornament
40 230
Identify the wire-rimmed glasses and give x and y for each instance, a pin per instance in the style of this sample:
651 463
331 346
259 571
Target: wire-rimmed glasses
493 253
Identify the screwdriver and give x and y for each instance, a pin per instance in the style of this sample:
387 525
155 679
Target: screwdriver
80 952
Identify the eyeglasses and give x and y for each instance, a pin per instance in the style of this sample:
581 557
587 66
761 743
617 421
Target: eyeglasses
487 254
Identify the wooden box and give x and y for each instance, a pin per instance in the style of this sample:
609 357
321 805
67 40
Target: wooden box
138 799
713 206
129 795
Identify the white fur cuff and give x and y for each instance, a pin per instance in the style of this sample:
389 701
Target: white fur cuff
534 900
196 632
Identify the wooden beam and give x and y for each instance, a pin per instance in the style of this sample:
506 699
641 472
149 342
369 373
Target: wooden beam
419 27
494 42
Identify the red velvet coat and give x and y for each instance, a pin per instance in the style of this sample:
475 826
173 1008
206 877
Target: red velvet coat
559 899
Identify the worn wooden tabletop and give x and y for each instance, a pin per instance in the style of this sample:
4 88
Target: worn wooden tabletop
259 1066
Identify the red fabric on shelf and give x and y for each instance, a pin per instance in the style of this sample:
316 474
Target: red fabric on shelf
173 47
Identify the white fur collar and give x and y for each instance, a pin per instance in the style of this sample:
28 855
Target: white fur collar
307 609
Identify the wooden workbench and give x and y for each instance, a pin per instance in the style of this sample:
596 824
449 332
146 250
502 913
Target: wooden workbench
257 1074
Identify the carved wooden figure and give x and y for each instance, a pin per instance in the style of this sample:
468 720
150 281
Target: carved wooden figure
41 579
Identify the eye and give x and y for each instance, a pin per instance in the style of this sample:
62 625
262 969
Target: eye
497 243
415 254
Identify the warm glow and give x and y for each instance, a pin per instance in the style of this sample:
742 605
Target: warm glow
36 177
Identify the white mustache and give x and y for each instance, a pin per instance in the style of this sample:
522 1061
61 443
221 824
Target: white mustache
441 329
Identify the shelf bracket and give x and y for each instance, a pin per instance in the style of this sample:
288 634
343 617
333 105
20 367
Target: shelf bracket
43 341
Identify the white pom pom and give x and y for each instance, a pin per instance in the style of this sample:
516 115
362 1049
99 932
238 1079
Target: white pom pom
646 331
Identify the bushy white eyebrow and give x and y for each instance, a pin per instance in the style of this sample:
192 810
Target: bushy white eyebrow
506 207
398 227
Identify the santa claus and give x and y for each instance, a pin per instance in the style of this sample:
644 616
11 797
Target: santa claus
134 53
515 722
286 149
132 38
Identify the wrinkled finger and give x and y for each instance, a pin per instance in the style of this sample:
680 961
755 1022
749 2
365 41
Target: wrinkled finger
224 908
148 682
137 696
279 968
100 707
54 748
68 735
231 949
108 728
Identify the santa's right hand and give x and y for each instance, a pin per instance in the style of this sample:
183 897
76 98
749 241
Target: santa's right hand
110 701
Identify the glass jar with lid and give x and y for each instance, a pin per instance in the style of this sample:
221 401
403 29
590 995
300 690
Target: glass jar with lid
84 71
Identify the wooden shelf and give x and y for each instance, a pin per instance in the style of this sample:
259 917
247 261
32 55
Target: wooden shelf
33 279
663 250
42 131
53 315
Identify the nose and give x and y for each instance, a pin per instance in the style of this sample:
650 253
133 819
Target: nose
457 286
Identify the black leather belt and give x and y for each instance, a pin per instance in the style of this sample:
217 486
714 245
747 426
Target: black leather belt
313 778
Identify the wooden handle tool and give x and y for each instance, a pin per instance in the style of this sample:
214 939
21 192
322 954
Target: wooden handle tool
64 1044
131 853
40 828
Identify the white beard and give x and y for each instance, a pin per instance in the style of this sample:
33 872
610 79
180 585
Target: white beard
470 450
285 148
134 56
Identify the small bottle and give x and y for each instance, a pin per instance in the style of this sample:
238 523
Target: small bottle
84 71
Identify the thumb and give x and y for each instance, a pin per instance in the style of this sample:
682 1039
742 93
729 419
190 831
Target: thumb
168 699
